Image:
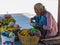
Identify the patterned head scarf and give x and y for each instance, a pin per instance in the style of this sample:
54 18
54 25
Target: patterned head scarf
39 6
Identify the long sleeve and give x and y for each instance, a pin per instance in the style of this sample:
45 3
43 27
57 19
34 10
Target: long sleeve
51 26
49 23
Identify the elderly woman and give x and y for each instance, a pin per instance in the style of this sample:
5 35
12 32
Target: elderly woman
44 21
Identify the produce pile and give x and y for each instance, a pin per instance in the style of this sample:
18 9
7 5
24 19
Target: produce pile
30 32
8 19
8 27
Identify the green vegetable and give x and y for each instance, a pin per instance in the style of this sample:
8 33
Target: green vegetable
14 21
34 29
6 22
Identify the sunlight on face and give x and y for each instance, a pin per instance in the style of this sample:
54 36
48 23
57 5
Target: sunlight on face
37 11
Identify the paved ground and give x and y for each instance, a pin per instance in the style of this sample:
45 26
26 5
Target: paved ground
16 43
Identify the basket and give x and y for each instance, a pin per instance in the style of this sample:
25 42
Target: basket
31 40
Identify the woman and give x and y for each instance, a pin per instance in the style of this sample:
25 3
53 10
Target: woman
47 23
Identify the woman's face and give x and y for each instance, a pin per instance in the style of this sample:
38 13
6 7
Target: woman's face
37 11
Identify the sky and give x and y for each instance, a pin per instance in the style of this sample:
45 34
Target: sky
27 6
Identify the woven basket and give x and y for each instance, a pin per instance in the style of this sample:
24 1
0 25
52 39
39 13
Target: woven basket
31 40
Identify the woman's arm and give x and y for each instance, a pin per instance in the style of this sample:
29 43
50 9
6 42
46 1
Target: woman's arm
49 23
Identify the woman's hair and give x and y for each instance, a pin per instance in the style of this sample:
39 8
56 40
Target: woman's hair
39 6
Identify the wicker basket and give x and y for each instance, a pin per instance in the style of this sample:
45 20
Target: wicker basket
31 40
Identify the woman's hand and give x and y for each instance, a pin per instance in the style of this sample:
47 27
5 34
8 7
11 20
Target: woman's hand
38 26
31 20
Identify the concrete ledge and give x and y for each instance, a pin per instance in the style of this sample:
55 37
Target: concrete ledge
51 41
